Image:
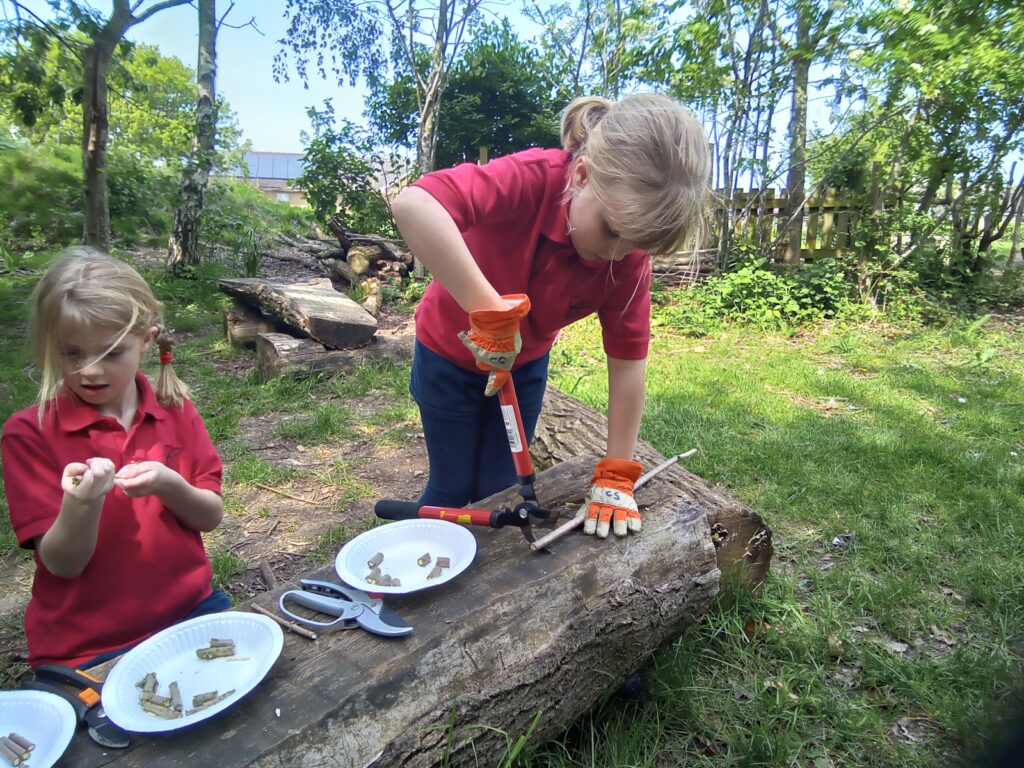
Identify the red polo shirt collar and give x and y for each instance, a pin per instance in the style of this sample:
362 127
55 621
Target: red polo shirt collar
74 414
555 224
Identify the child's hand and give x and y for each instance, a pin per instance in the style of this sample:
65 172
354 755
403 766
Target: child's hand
610 501
145 478
89 481
494 339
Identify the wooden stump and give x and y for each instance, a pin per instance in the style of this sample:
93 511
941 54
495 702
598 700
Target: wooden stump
567 428
243 323
278 354
313 308
516 634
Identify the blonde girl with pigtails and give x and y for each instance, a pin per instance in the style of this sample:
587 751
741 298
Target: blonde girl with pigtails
522 247
109 480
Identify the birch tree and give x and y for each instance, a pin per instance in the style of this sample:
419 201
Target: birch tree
183 246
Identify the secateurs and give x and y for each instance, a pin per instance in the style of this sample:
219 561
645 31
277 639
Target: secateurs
523 515
83 692
351 608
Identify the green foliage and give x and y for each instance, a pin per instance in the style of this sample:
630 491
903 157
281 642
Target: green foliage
41 205
498 95
341 171
152 99
761 297
238 219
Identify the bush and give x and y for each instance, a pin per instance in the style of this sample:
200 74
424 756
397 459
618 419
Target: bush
771 299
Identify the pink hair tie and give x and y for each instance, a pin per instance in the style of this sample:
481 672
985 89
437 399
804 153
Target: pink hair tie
165 358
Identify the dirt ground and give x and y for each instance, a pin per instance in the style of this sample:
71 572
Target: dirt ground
280 529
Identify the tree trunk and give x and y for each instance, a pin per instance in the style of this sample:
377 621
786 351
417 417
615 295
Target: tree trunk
183 246
95 130
312 308
96 115
519 633
802 57
567 428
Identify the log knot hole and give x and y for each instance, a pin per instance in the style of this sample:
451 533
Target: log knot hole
719 534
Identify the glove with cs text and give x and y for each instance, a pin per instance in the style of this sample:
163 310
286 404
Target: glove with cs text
610 500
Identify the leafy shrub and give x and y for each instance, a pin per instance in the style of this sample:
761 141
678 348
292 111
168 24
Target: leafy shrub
769 299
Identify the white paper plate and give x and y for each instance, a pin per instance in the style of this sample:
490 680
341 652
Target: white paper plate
171 654
45 719
401 543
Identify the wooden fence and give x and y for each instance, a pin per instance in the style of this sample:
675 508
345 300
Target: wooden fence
760 216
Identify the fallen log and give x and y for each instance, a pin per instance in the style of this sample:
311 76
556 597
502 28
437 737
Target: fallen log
278 354
517 634
314 309
568 428
242 323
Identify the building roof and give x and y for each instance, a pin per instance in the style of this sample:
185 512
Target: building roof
284 166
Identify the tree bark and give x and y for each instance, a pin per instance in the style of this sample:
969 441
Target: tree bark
96 115
95 132
313 309
183 246
798 139
517 635
567 428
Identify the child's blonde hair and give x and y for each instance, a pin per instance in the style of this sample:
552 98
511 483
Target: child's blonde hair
649 163
85 286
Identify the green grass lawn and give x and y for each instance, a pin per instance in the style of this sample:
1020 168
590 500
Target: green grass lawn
891 647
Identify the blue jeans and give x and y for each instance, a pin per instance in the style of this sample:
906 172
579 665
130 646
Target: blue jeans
215 603
467 447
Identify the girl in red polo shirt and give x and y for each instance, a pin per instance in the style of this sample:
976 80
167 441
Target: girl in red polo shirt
110 482
524 246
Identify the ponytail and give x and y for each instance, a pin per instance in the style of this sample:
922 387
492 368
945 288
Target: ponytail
579 119
170 390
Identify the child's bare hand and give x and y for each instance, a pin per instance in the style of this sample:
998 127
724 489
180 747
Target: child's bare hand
145 478
89 481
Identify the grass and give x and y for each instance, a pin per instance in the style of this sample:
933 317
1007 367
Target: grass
892 646
895 646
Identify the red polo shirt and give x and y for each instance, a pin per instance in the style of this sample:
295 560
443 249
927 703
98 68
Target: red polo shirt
512 216
148 571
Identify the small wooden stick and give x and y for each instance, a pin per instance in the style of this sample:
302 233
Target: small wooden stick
581 514
290 626
287 495
268 574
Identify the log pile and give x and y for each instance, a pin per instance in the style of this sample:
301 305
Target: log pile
362 261
681 268
313 325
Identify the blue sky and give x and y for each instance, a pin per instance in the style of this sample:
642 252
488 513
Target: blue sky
271 114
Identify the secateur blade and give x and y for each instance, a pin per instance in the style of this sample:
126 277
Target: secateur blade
350 607
83 692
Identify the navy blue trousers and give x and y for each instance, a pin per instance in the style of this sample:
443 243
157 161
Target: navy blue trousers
467 447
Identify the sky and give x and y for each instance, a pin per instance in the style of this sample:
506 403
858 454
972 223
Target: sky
272 115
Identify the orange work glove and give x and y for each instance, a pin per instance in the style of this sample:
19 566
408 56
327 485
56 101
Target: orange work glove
494 340
611 498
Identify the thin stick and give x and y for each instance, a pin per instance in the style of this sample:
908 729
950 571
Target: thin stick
567 527
290 626
284 493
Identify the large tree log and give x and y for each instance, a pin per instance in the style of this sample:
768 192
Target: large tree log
243 323
279 353
567 428
312 308
518 634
